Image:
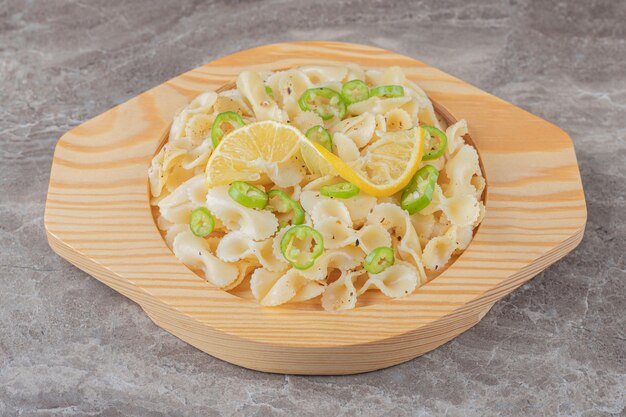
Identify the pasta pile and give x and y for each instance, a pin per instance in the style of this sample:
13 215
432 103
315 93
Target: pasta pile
369 243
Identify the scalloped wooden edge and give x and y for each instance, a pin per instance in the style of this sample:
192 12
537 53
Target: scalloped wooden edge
98 217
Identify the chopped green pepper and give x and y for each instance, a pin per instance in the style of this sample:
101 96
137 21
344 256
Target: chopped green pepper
419 193
340 190
433 149
387 91
320 135
379 259
281 202
248 195
201 222
232 119
332 106
301 246
355 91
269 91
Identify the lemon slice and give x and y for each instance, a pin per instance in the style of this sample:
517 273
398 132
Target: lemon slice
384 168
245 153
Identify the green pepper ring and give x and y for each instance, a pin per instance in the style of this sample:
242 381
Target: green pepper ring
217 133
434 153
293 205
340 190
320 135
372 262
408 200
201 222
387 91
348 91
325 92
300 232
248 195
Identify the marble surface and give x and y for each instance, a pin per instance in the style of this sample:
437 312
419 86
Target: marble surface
71 346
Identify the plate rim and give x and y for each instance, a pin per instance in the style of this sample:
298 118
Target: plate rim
164 98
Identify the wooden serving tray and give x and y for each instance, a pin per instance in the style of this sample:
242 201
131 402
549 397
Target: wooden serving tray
98 217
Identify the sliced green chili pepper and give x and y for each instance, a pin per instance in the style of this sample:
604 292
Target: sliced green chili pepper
281 202
248 195
301 246
379 259
433 149
419 193
387 91
269 91
339 190
201 222
231 118
333 106
355 91
320 135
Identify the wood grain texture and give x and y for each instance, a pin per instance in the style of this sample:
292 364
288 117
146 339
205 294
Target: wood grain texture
99 218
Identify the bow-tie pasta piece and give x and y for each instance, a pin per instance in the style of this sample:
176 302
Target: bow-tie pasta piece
373 77
426 113
397 120
177 206
245 270
377 105
195 252
399 280
306 120
275 288
440 249
235 246
479 184
460 209
359 128
171 231
162 167
256 224
412 109
172 165
336 234
343 259
201 105
195 160
373 236
345 148
462 236
455 135
359 206
285 174
391 217
460 169
340 294
232 100
287 87
330 210
393 76
251 86
325 74
424 225
198 128
403 236
355 72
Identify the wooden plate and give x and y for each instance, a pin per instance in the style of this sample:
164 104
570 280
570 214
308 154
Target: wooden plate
98 217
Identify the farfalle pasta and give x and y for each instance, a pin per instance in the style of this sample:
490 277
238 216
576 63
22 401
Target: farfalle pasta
318 183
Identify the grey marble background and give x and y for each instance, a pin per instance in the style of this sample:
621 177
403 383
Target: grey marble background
71 346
